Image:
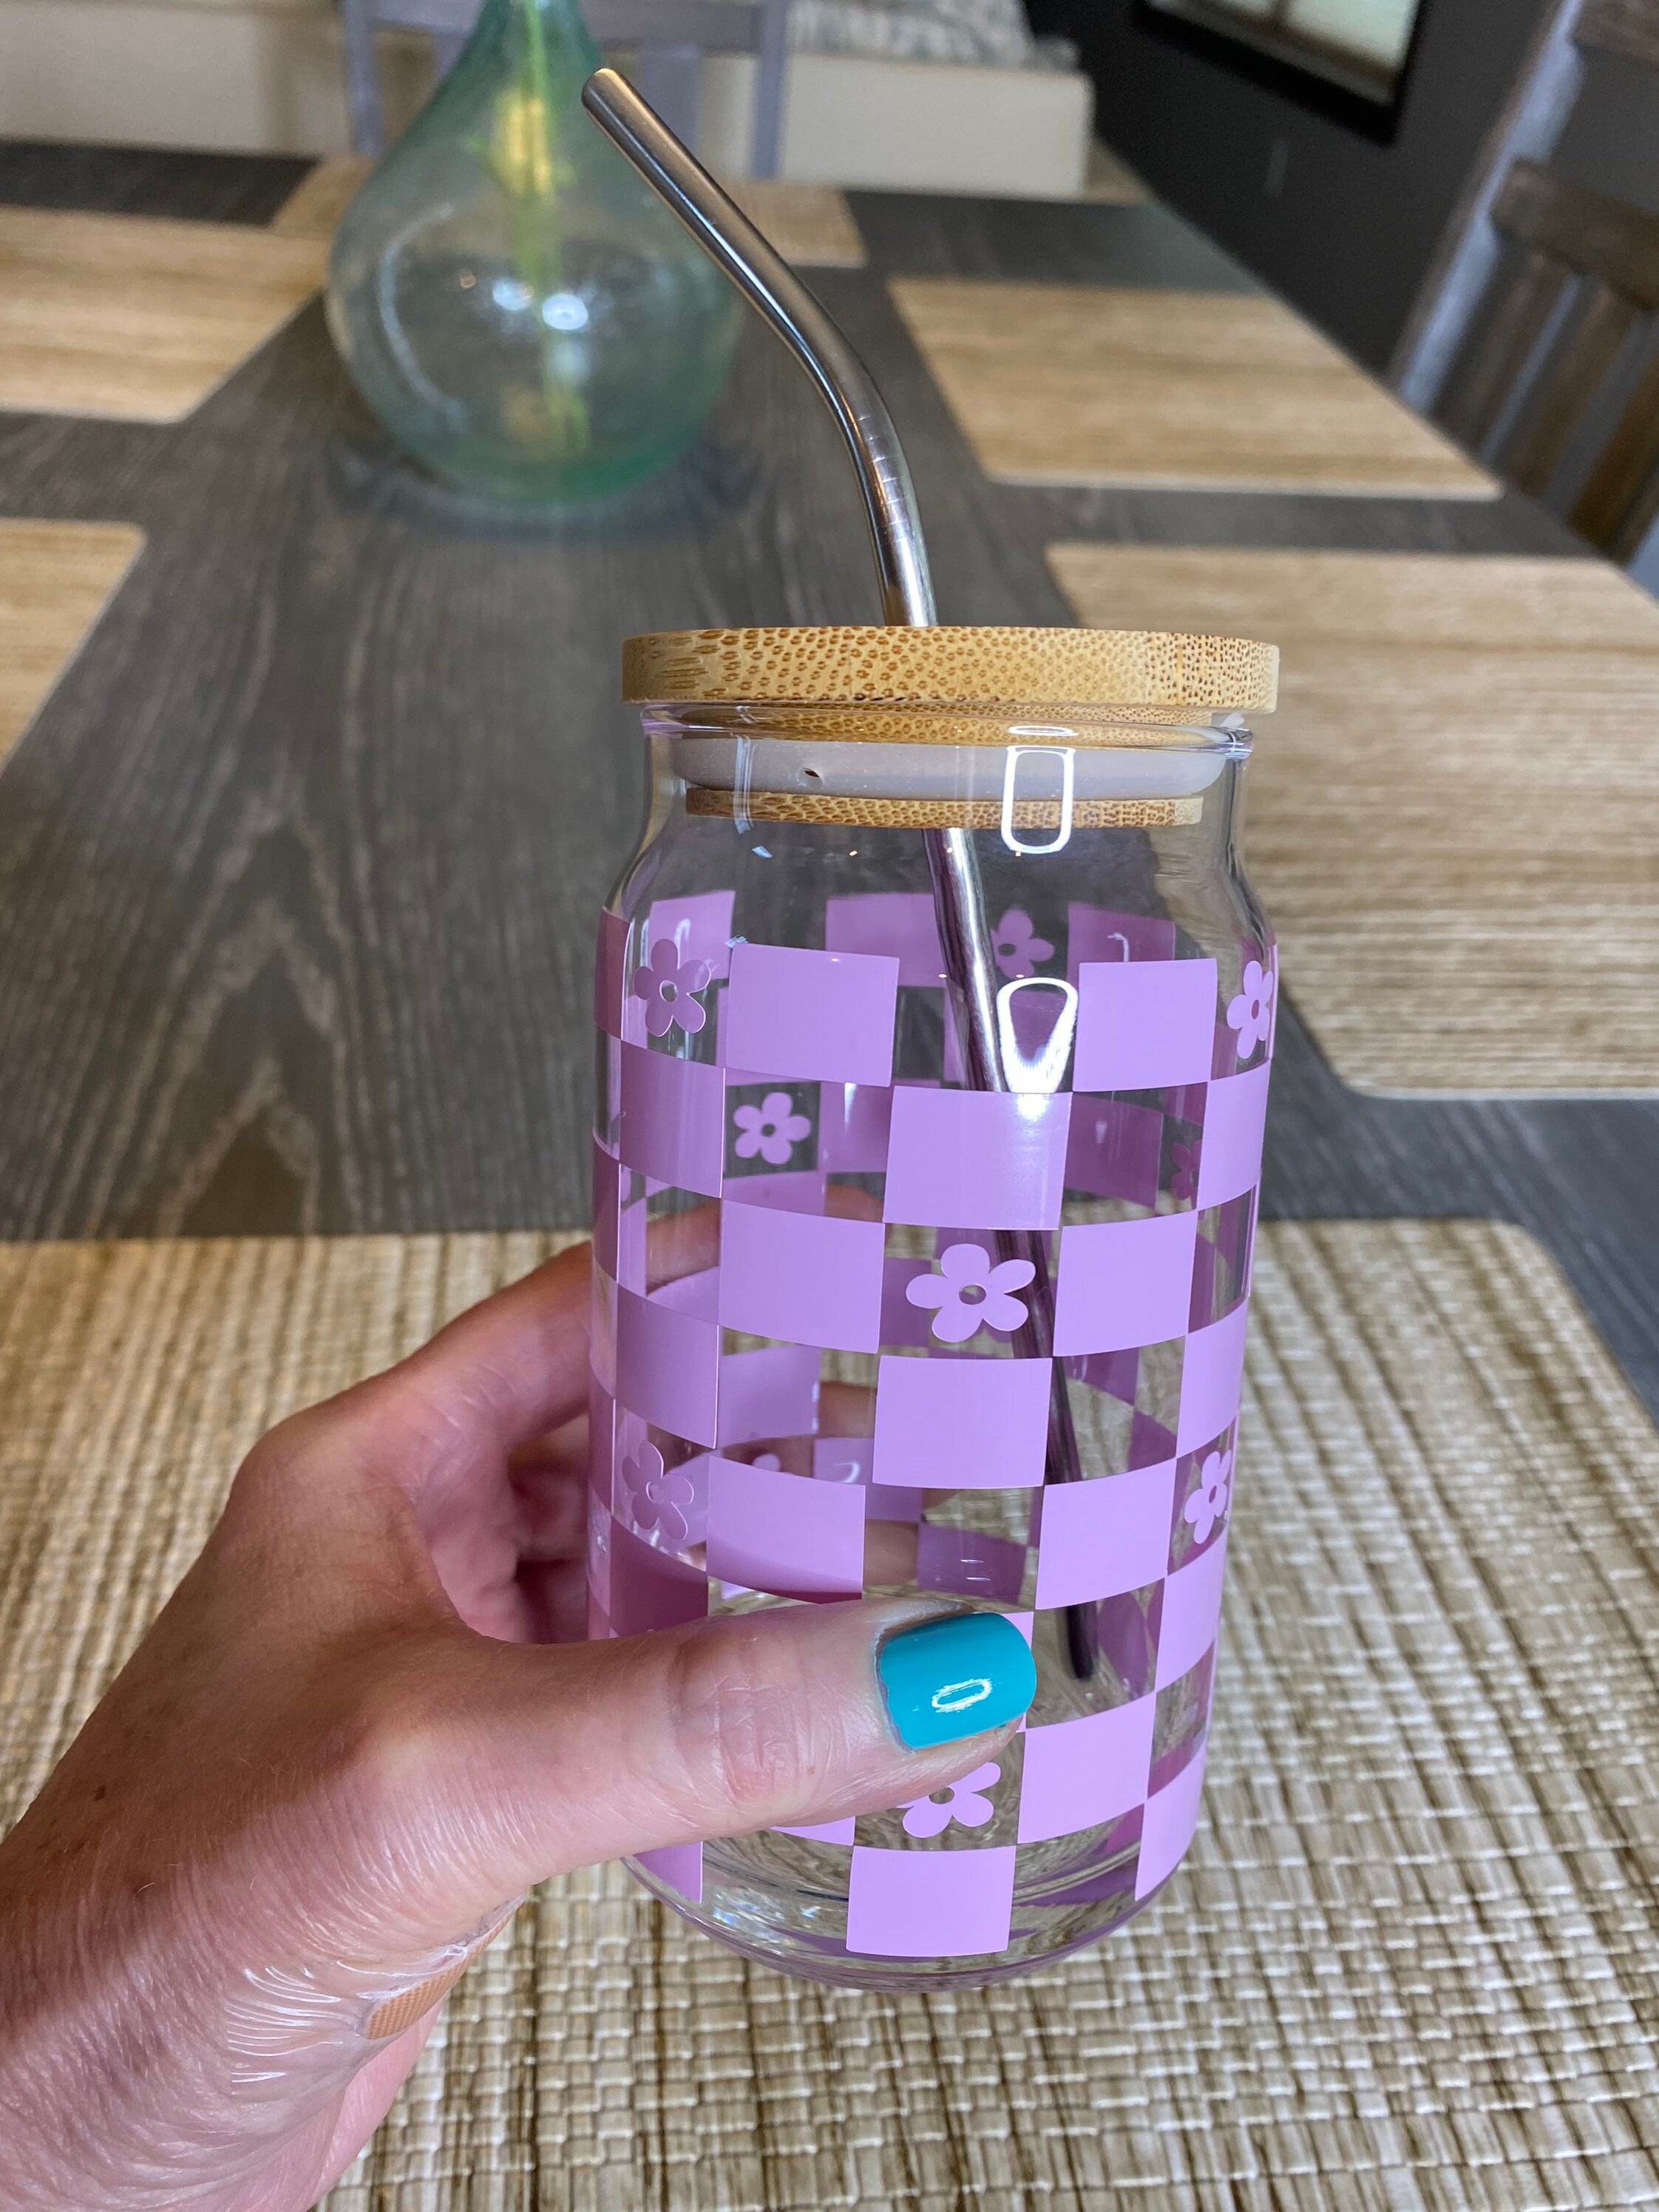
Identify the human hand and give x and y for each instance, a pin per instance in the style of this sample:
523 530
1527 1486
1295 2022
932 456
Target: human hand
351 1742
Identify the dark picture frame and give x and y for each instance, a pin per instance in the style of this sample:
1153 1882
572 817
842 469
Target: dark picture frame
1332 86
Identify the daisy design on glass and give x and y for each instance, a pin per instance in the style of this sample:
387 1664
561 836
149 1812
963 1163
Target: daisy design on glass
1208 1502
668 986
1017 946
771 1130
971 1294
1183 1179
1251 1013
963 1800
659 1497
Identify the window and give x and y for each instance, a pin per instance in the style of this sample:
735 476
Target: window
1353 52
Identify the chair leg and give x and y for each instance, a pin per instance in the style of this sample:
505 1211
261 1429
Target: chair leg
1634 532
768 149
1617 505
1487 371
1607 321
362 73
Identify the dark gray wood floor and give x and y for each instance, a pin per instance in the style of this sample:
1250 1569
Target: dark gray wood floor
299 866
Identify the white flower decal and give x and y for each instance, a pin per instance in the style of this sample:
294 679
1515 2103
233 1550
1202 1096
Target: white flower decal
1251 1013
966 1803
668 986
772 1129
1208 1502
971 1294
1017 945
659 1497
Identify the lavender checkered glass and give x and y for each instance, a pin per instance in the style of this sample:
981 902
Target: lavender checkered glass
861 1327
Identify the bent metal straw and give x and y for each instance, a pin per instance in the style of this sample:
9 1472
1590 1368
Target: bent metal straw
771 286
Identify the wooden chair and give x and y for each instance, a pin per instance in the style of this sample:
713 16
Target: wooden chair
668 39
1582 278
1630 27
1519 341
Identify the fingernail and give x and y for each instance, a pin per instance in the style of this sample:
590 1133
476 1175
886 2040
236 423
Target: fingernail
955 1677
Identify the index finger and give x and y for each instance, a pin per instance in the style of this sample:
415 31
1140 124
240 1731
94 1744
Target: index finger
510 1368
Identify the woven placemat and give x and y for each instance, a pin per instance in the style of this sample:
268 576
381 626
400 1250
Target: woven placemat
135 317
1454 816
1413 1963
811 224
1076 384
56 578
315 205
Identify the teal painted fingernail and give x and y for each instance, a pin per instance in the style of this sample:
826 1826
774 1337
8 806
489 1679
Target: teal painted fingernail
955 1677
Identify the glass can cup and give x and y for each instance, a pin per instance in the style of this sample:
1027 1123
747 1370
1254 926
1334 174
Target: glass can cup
864 1324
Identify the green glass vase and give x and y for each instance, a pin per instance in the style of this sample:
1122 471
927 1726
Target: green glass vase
515 304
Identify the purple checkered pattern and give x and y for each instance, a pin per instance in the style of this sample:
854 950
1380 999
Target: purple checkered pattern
768 1170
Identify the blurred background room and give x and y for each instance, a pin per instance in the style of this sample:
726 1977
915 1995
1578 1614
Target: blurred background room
1463 194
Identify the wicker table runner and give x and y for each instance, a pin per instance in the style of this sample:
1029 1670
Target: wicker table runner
1082 385
313 208
1453 817
134 317
811 224
1413 1960
56 578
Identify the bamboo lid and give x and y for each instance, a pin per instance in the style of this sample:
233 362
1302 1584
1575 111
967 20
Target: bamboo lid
848 667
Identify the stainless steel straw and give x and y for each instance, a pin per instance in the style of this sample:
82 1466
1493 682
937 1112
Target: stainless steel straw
770 285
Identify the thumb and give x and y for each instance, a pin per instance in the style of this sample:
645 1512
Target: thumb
551 1757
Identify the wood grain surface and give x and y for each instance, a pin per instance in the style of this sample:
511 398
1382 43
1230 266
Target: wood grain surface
134 317
811 224
55 579
1111 182
1454 816
299 862
1591 232
1629 28
315 207
1056 384
1049 241
1411 1961
156 180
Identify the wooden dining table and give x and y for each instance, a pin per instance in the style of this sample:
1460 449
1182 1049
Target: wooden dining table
299 862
